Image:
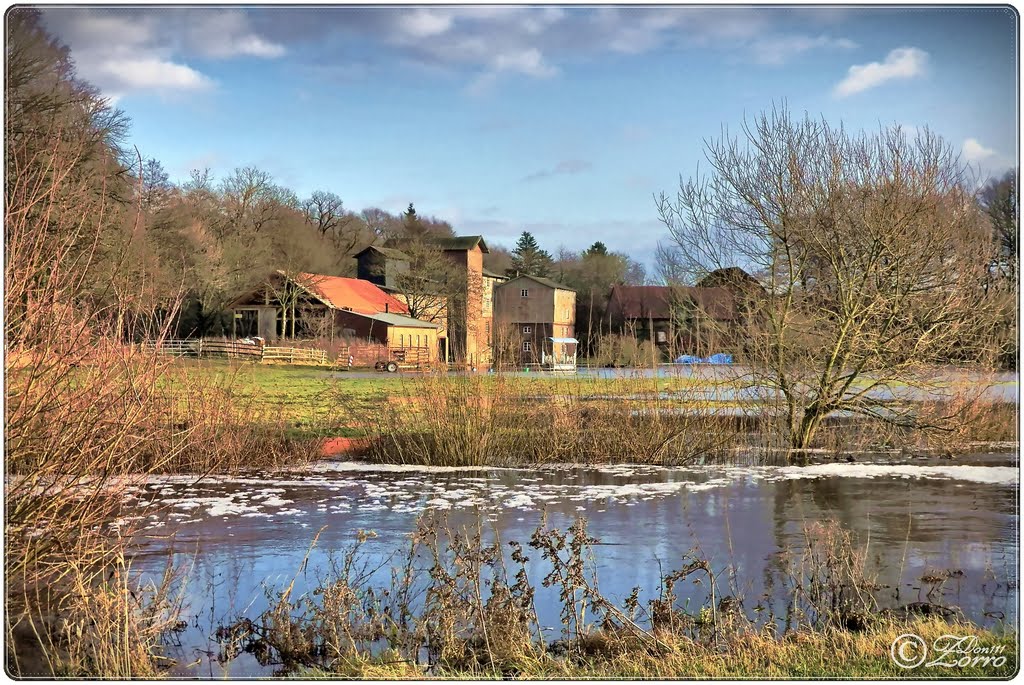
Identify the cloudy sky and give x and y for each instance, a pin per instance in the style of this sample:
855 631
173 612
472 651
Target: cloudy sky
562 121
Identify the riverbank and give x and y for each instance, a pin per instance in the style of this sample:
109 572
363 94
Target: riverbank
809 655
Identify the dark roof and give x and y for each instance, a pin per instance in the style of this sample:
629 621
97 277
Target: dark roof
494 274
543 281
450 244
656 301
730 277
386 251
463 242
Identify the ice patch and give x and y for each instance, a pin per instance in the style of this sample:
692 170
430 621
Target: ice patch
519 502
360 466
987 475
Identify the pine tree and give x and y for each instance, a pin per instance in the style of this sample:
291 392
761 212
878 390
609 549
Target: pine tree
597 249
529 259
411 221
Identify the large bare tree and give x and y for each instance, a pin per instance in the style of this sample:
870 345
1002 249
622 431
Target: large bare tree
872 251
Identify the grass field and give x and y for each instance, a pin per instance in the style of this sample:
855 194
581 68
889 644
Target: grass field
319 402
483 412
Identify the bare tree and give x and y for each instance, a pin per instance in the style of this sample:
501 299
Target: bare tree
873 254
1000 200
431 284
253 201
324 211
381 224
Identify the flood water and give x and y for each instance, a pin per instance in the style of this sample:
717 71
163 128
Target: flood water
240 537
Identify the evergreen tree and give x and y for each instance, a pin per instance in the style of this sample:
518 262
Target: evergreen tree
529 259
411 222
597 249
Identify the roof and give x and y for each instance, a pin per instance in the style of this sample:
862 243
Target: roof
494 274
731 277
389 252
656 301
362 297
399 320
448 244
538 279
463 242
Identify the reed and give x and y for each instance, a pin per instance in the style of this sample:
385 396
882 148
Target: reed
461 604
505 419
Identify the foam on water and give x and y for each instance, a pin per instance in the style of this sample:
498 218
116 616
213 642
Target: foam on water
378 491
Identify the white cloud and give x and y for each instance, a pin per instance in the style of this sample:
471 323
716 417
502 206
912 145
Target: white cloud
529 62
974 152
778 50
123 51
225 34
152 74
901 63
423 23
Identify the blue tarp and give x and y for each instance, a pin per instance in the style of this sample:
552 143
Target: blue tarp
719 358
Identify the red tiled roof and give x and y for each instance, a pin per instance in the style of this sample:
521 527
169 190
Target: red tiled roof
362 297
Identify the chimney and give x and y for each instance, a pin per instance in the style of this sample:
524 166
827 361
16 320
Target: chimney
385 307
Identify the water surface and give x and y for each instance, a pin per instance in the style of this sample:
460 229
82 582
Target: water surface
917 519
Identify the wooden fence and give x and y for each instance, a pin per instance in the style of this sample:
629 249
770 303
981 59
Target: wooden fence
295 355
235 349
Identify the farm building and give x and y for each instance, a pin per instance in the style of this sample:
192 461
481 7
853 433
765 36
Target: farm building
304 305
535 321
698 320
463 308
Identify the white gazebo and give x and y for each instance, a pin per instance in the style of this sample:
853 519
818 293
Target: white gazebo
559 354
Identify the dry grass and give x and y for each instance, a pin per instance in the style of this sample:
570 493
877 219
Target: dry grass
470 611
477 420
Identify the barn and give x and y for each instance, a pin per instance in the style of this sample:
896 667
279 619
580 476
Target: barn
306 305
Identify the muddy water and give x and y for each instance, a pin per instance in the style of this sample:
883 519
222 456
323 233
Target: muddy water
239 537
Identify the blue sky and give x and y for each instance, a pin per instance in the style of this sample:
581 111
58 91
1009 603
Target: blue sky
563 121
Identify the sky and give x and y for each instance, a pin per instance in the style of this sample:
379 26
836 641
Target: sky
562 121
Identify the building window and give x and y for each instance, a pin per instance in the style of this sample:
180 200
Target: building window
401 340
524 292
661 337
527 329
527 346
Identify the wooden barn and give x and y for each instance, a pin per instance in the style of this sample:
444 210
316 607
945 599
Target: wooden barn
305 305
